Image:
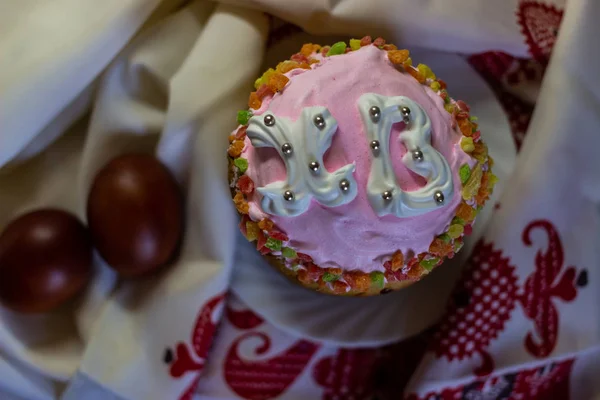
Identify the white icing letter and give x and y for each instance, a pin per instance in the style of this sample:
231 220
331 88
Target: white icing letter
379 113
301 144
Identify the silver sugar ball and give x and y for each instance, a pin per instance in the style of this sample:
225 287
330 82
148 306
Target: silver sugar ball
387 195
288 196
375 113
319 121
405 111
269 120
374 144
314 166
417 155
344 185
287 149
438 197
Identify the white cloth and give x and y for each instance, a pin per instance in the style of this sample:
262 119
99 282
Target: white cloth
174 90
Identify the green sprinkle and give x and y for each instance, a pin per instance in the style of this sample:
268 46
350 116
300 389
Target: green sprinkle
355 44
288 252
465 173
473 118
429 264
378 279
241 163
458 220
337 49
273 244
295 267
244 116
329 277
445 237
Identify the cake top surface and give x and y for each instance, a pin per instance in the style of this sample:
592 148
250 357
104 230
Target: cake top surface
345 228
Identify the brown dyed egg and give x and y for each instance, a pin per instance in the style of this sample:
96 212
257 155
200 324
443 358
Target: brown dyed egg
45 260
135 214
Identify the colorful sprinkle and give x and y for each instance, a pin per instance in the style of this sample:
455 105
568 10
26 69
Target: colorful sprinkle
288 252
365 41
397 261
435 86
264 91
241 164
378 279
264 79
471 188
426 71
235 149
445 237
299 57
245 184
277 82
241 133
465 173
465 212
253 101
416 74
339 287
389 47
304 257
455 231
279 235
243 117
355 44
252 231
430 263
329 277
273 244
337 49
398 57
458 220
309 48
440 248
379 42
468 229
265 224
465 126
466 143
240 203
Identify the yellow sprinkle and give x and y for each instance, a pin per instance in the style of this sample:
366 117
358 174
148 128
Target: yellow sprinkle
435 86
471 188
408 62
426 71
355 44
450 108
466 143
455 231
264 79
492 180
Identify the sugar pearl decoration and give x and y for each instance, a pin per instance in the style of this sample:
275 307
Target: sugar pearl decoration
319 121
406 114
417 155
375 113
438 197
387 195
344 185
269 120
288 196
287 149
375 145
314 166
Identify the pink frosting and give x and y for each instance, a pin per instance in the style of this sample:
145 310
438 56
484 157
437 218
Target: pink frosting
352 236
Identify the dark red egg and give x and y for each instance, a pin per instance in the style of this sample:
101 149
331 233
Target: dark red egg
135 214
45 260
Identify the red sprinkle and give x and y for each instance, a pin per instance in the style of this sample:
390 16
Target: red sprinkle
279 236
304 257
442 84
299 57
476 136
264 250
245 184
468 229
264 91
325 50
387 265
241 133
463 106
261 241
379 41
314 272
365 41
462 115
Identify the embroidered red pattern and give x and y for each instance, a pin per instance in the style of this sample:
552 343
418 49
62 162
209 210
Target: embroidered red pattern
539 24
484 299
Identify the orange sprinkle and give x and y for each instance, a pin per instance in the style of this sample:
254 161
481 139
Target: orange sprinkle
265 224
465 126
415 271
416 74
397 261
398 56
287 66
389 47
235 148
465 212
253 101
304 65
277 82
440 248
304 277
240 203
480 152
358 281
335 271
309 48
339 287
365 41
313 61
231 138
264 91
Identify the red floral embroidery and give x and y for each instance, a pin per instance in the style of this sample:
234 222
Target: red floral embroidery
488 292
539 24
202 336
264 379
243 319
